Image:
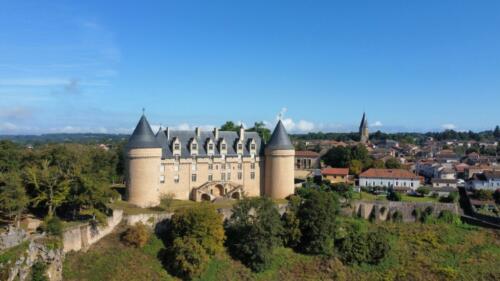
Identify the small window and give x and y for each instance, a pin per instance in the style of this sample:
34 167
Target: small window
210 146
228 176
210 166
240 166
176 179
210 177
252 146
162 168
194 146
223 176
240 146
252 166
223 166
240 175
252 175
223 147
193 177
177 146
162 179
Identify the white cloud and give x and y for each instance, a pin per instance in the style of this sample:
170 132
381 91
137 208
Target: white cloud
377 124
7 126
449 126
302 126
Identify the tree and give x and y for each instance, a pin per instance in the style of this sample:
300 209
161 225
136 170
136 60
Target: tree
355 167
229 126
354 248
423 191
392 163
47 185
393 196
496 132
202 223
291 222
317 216
261 129
10 156
378 164
189 258
13 198
254 230
338 157
359 152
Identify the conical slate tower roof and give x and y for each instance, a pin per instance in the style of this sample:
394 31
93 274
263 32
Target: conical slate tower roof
143 136
363 123
280 139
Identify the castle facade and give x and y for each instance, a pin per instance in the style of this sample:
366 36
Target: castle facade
206 165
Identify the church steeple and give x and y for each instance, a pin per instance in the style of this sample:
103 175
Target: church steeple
363 129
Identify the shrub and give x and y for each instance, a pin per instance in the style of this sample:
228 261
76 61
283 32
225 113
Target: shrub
317 223
427 215
291 222
253 231
136 236
423 191
53 226
397 216
378 245
451 198
449 217
360 247
202 223
167 200
38 272
393 196
484 195
189 258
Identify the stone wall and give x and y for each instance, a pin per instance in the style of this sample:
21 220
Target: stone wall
13 237
383 210
81 237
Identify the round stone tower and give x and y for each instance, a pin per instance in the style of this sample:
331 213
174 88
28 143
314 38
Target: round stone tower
279 163
143 166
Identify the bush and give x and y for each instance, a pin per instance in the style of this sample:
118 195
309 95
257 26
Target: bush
136 236
397 216
451 198
484 195
38 272
360 247
393 196
253 231
317 223
202 223
378 245
423 191
53 226
449 217
189 258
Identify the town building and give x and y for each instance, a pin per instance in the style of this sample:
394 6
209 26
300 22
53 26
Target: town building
307 160
487 180
206 165
336 175
389 178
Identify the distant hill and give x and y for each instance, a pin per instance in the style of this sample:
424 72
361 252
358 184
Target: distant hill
85 138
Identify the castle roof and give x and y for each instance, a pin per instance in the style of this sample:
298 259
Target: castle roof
143 136
364 122
280 139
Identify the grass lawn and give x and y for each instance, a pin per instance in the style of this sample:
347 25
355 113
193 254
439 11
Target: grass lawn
418 252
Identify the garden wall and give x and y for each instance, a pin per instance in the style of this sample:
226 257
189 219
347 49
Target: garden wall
384 210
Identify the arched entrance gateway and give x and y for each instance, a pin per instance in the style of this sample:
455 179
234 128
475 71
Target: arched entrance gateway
220 190
205 197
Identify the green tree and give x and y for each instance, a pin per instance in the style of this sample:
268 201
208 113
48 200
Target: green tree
47 185
38 272
496 132
354 248
392 163
202 223
10 156
423 190
229 126
317 216
291 222
13 198
253 231
359 152
189 259
338 157
378 164
355 167
261 129
393 196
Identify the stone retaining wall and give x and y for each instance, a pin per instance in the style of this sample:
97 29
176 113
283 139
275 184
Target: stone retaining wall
384 210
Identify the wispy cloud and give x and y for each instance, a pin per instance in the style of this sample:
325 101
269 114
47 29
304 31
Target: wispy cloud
377 124
449 126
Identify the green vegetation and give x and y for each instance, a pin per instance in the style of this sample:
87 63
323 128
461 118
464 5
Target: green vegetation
9 256
38 272
254 231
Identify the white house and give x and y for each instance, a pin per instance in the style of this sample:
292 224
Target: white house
394 178
486 180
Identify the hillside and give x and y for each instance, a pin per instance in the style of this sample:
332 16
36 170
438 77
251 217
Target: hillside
418 252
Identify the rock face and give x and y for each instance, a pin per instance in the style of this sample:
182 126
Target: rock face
13 237
20 269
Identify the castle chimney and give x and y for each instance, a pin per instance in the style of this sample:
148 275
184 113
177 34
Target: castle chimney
197 132
242 132
167 133
216 133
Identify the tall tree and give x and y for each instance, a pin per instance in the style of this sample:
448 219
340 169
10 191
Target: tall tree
496 132
13 198
48 185
260 128
229 126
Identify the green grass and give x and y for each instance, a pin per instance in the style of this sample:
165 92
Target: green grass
418 252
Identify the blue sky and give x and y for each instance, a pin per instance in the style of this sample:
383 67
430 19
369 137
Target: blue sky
93 65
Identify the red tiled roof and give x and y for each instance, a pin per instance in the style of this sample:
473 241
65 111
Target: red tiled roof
335 171
306 153
388 174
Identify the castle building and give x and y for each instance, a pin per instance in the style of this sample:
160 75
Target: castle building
206 165
363 130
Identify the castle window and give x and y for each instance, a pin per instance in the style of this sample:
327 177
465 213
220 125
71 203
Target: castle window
252 175
162 168
194 146
223 176
193 177
210 166
252 146
240 146
211 147
210 177
223 166
223 146
176 178
240 175
252 166
228 176
240 166
177 146
162 179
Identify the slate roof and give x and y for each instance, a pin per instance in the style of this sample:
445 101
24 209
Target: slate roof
186 138
143 136
364 122
280 139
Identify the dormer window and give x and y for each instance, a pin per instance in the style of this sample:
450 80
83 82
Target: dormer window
194 147
253 146
240 146
223 147
210 147
176 147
